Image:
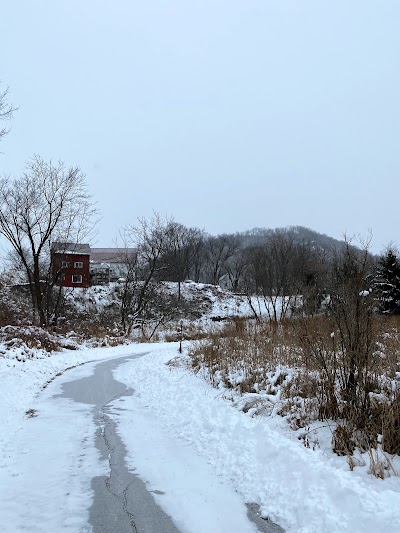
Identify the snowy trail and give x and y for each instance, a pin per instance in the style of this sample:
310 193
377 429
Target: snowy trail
201 457
183 483
121 501
64 469
47 445
185 486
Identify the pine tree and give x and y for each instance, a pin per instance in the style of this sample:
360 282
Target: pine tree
387 283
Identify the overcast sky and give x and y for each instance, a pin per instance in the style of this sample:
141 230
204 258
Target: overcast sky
225 114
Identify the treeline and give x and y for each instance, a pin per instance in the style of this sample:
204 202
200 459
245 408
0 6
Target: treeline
288 269
281 265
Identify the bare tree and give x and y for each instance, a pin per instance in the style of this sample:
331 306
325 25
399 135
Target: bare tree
278 272
219 250
49 202
140 289
180 252
351 308
343 347
236 269
198 258
6 111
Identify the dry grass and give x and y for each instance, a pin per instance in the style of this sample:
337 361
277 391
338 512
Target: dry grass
29 336
95 331
244 355
191 331
307 362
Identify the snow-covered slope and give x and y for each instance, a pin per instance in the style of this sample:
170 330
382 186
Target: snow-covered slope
201 299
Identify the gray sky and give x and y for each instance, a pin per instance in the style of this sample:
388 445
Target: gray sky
225 114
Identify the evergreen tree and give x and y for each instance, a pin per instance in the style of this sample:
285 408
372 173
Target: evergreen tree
387 283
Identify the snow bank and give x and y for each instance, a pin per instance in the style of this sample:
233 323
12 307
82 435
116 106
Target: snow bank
300 489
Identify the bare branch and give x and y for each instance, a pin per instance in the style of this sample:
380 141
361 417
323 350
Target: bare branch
6 111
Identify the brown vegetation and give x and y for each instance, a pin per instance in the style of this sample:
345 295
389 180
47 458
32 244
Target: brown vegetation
309 363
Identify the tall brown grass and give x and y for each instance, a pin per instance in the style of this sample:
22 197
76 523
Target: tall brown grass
308 358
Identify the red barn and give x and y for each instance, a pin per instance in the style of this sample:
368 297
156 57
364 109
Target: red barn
70 264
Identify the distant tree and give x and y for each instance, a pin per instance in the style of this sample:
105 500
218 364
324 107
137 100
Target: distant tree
49 202
315 275
140 290
180 252
199 257
236 269
6 110
280 271
387 282
218 251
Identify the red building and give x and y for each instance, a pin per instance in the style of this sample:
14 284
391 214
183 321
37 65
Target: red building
70 264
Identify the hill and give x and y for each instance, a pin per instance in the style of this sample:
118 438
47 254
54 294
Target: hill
300 234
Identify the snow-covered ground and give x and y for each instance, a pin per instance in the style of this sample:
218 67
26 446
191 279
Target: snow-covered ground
184 439
210 300
184 483
48 460
48 456
305 491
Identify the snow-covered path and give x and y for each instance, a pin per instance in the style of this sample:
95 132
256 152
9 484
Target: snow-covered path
121 501
305 491
201 457
53 478
47 445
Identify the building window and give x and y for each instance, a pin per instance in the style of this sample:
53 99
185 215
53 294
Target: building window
76 278
65 264
78 264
